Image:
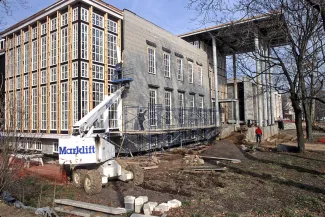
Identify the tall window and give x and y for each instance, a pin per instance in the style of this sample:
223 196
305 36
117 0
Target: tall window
98 96
190 72
167 65
11 84
192 101
199 68
75 69
34 33
11 63
53 48
53 74
43 77
43 108
98 72
43 26
34 55
98 45
18 61
168 107
112 115
18 83
151 61
196 44
64 106
84 41
179 63
152 107
53 24
192 109
55 147
201 106
53 107
18 110
34 108
26 56
64 19
112 49
26 81
75 101
84 98
38 145
26 36
112 26
34 79
98 20
181 104
64 45
75 14
64 72
84 14
26 109
75 41
18 40
44 51
84 70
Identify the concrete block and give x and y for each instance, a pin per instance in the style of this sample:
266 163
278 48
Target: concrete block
129 203
138 203
163 207
149 207
174 203
140 215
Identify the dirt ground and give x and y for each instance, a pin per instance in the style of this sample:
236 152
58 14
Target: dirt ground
265 183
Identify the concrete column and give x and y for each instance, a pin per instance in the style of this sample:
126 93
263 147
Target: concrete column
236 104
258 86
264 84
268 93
271 94
215 69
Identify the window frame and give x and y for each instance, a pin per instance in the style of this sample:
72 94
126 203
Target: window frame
190 72
151 68
166 65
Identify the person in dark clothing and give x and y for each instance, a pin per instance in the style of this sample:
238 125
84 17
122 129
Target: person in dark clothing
141 118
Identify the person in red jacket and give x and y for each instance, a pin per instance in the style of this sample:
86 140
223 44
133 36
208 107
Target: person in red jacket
258 133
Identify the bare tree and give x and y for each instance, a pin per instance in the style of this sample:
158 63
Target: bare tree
8 6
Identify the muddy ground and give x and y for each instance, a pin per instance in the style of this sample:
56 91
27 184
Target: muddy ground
265 183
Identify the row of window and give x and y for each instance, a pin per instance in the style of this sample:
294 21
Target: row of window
97 20
97 50
151 52
37 145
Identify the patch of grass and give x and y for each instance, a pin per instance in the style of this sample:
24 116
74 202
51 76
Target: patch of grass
232 215
311 203
287 212
186 203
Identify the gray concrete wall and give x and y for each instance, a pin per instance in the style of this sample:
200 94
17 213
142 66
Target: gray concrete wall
47 145
268 132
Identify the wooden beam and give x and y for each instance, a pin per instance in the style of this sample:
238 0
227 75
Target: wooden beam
90 53
70 99
58 71
48 73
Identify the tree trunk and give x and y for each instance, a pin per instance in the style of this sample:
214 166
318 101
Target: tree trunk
309 123
298 121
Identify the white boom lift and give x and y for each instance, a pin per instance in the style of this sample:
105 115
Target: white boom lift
90 155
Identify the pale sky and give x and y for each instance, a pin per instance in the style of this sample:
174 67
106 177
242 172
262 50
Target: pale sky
171 15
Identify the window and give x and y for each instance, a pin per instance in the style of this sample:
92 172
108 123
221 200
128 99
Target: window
98 72
55 147
192 101
112 26
64 72
44 51
84 70
84 41
11 108
192 109
64 106
84 14
151 61
179 63
18 40
75 14
98 45
98 20
112 115
34 79
53 74
26 110
18 61
26 36
43 108
34 33
53 48
199 68
43 26
196 44
11 84
181 104
26 56
75 41
168 107
75 69
190 72
167 65
53 106
34 55
38 145
152 107
53 24
18 110
112 49
64 19
75 101
11 63
34 108
111 72
29 145
26 81
98 96
64 45
18 83
84 98
43 77
201 110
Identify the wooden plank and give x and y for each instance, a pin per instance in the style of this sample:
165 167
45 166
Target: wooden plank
150 168
221 158
90 206
79 212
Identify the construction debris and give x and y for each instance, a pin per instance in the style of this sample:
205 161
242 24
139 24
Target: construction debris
129 203
193 160
220 158
205 168
163 207
138 203
148 207
174 203
150 168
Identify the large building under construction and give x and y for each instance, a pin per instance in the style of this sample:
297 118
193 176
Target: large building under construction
58 64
